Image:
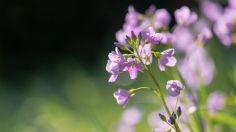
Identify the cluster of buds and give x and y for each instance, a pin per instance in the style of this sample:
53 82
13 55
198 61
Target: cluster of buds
173 117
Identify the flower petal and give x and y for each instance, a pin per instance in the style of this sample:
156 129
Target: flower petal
171 61
113 78
133 72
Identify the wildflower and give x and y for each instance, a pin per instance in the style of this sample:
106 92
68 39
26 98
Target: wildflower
167 59
212 10
112 68
132 23
205 34
174 87
161 18
203 31
145 53
216 101
197 68
224 26
132 16
116 56
168 38
122 96
184 38
222 32
133 66
121 38
152 36
114 64
184 16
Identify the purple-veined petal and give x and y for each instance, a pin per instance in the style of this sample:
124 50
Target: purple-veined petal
171 61
133 72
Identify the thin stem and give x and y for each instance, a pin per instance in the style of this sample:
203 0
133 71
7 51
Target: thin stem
140 88
197 114
177 100
157 91
164 102
130 50
170 124
135 90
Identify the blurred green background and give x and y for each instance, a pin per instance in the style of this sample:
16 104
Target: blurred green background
52 66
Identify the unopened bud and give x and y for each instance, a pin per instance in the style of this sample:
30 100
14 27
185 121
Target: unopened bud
179 111
163 118
171 120
174 115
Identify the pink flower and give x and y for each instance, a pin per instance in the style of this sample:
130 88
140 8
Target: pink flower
167 59
184 16
161 18
122 96
174 87
145 52
133 66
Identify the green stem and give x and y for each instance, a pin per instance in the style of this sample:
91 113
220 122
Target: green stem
164 102
197 115
139 89
157 91
177 101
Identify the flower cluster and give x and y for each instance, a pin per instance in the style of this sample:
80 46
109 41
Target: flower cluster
141 52
137 47
222 19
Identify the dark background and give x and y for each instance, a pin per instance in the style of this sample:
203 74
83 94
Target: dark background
37 35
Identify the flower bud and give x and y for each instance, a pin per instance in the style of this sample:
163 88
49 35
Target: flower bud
122 96
171 120
174 87
163 118
179 111
174 115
